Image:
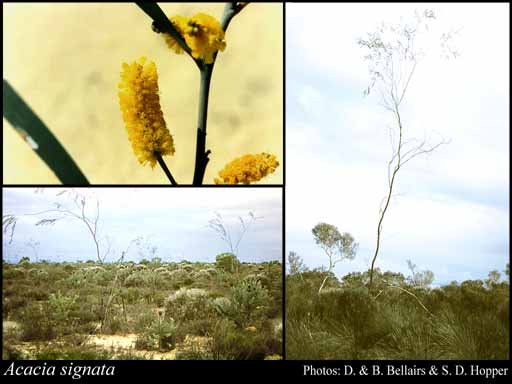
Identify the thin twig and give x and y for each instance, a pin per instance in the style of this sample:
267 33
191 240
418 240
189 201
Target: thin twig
165 25
165 169
409 293
202 155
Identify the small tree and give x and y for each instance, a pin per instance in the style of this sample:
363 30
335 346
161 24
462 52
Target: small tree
295 264
34 245
393 54
61 211
24 260
217 224
419 279
336 246
493 279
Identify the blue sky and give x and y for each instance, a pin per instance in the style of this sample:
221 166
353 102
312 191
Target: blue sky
450 213
173 220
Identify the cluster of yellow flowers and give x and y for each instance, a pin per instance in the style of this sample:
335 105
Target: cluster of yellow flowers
142 114
202 33
247 169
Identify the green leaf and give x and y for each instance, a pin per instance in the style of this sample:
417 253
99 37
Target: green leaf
39 137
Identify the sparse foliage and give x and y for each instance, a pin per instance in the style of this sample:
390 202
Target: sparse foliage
217 224
393 54
336 246
295 263
79 210
420 279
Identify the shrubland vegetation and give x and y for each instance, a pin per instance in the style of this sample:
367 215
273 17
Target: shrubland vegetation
222 310
403 318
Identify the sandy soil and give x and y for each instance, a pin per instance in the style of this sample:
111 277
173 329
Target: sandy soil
65 60
114 343
9 326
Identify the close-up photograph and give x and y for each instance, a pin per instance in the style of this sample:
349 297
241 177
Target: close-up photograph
137 93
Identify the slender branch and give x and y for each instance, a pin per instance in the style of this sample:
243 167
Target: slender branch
93 234
323 283
425 151
165 25
165 169
230 11
202 155
409 293
407 82
390 192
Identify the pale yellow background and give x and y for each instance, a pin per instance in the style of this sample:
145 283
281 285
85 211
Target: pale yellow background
65 61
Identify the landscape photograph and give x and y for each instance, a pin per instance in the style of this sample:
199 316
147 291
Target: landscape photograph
398 140
142 274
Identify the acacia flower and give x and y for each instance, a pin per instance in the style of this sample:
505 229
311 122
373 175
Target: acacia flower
180 23
142 114
202 33
247 169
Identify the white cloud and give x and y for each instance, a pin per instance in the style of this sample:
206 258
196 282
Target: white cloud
173 219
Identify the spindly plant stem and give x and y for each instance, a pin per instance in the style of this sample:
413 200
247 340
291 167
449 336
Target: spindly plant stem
202 159
390 192
201 153
164 167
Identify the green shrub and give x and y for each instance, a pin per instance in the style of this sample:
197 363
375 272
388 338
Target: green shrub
160 334
130 295
37 322
249 299
12 304
227 262
188 304
61 306
13 273
232 343
197 327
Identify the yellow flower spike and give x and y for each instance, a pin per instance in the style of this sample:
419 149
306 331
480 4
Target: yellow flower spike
142 114
202 33
247 169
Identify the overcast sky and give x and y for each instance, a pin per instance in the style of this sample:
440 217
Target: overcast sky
175 220
450 213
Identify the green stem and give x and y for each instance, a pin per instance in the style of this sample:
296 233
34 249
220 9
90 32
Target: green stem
165 169
202 159
201 153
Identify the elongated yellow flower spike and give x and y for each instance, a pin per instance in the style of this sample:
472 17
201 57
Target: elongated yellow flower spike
142 114
202 33
247 169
